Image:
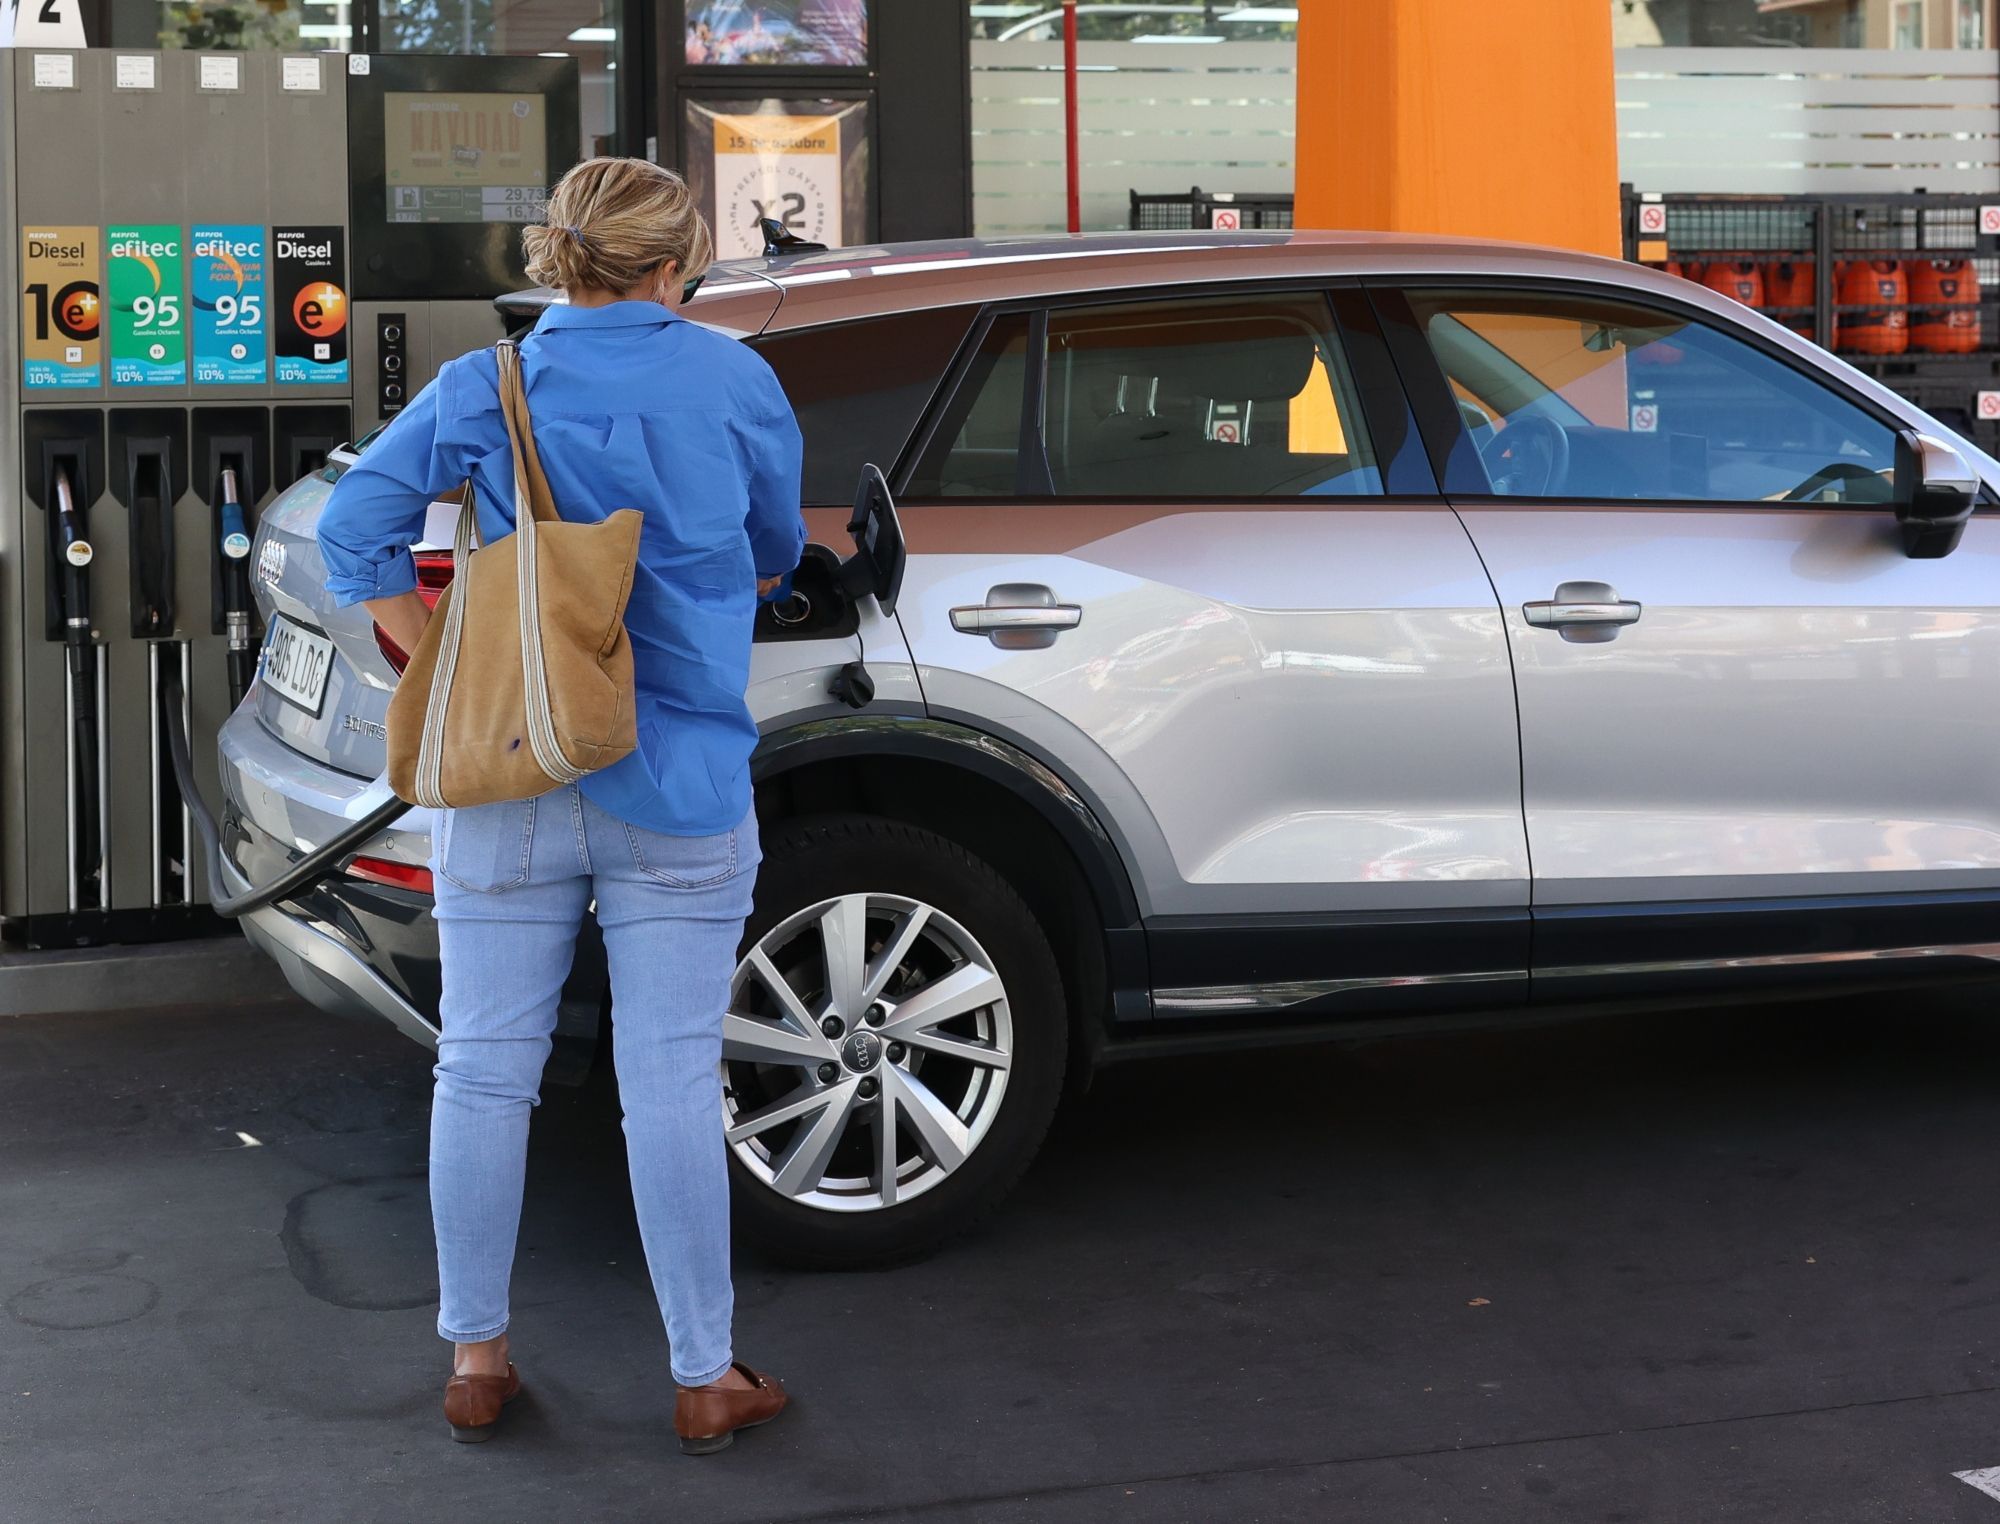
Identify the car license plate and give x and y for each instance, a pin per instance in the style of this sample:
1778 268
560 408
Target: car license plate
297 663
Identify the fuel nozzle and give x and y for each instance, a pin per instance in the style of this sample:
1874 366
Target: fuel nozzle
235 539
235 547
76 554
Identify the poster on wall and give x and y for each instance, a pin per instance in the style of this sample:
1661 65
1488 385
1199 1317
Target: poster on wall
309 280
803 162
777 34
60 308
227 288
148 326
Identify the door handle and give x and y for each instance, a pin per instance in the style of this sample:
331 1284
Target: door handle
1584 612
1018 616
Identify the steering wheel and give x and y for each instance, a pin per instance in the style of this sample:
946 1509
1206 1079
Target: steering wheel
1882 491
1528 458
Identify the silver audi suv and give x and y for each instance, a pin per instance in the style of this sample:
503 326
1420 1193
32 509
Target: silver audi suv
1296 634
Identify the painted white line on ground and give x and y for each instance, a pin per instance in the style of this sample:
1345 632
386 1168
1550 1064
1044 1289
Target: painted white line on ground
1986 1481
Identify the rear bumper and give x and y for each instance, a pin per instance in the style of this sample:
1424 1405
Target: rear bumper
350 948
326 972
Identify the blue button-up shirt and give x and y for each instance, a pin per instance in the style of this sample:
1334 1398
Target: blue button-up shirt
633 407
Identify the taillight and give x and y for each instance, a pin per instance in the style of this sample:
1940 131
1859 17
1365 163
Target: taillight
433 577
381 870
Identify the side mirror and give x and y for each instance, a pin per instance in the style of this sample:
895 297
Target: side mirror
876 567
1936 489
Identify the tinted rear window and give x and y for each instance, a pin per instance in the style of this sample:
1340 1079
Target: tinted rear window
859 389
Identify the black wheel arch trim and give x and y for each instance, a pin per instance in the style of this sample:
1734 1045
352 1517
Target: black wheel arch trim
1056 799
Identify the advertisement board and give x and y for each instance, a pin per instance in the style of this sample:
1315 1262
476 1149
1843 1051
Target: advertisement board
804 162
465 157
777 34
148 338
61 309
226 291
309 288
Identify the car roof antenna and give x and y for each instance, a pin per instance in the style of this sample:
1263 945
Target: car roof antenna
779 239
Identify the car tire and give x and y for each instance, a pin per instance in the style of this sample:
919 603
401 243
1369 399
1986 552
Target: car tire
811 866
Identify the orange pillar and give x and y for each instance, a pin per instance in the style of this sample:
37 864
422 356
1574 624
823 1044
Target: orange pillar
1480 117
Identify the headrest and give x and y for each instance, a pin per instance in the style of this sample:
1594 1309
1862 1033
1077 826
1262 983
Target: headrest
1255 358
1265 360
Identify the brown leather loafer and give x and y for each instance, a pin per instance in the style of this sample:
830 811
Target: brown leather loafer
707 1417
472 1404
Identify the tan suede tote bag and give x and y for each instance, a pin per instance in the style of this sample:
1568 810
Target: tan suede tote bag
523 679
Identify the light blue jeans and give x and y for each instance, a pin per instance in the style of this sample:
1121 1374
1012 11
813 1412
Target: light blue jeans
513 883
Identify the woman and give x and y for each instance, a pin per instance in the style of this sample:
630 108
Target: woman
632 407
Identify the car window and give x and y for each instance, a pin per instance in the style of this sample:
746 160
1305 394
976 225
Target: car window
859 388
1236 396
1582 397
1233 396
975 450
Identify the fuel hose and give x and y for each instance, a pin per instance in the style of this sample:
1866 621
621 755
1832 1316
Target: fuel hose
324 862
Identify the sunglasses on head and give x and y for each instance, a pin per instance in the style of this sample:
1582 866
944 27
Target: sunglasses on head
688 291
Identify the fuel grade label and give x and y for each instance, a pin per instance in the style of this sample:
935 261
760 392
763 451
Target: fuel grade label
148 321
61 309
309 280
226 286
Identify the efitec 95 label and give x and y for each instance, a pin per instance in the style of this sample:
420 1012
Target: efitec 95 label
309 280
226 277
148 322
60 308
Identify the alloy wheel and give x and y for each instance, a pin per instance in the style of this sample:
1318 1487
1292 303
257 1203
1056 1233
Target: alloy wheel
865 1054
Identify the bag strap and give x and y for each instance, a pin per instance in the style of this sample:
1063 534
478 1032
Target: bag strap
533 504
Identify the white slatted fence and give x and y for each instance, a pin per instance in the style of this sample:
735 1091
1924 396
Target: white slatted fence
1808 120
1160 118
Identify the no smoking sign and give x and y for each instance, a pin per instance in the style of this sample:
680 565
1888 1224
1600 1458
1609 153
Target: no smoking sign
1645 419
1989 406
1226 219
1652 218
1989 220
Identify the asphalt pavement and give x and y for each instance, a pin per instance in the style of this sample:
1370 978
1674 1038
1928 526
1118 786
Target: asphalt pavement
1720 1265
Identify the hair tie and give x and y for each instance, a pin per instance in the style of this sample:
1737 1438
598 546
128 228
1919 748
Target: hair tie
575 234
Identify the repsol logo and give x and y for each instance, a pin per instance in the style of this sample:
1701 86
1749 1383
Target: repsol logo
291 248
208 248
40 247
152 248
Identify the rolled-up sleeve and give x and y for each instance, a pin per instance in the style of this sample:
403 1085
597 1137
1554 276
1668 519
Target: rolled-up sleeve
777 528
377 509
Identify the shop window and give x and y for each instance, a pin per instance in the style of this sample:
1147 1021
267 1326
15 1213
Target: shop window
1577 397
1908 21
1971 24
859 389
587 30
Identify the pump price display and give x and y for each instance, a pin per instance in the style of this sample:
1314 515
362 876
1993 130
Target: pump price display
60 308
148 322
297 663
468 203
226 280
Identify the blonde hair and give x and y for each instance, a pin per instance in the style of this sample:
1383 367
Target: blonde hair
614 222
